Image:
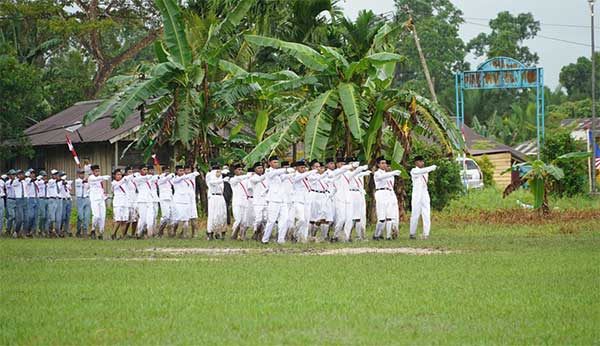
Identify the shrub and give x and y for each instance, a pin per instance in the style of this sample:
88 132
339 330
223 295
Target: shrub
559 143
487 169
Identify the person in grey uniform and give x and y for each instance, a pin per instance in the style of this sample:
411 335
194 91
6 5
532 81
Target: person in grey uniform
65 194
3 179
18 185
11 203
82 191
54 204
31 203
42 217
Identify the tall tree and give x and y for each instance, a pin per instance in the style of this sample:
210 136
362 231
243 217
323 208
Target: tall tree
438 23
507 38
577 78
111 32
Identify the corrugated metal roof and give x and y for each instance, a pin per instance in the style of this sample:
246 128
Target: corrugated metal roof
479 145
580 123
52 130
528 148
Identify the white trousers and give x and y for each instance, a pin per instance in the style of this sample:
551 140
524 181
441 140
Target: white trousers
242 215
98 215
276 212
217 214
298 221
341 208
259 215
420 209
146 218
166 211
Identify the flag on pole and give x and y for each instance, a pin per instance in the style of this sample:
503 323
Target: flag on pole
595 150
72 150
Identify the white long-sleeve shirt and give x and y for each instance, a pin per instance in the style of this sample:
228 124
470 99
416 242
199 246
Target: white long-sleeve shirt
215 184
97 187
420 177
165 187
240 188
2 189
30 188
181 186
301 186
259 189
42 188
146 194
65 189
384 180
274 182
52 188
120 197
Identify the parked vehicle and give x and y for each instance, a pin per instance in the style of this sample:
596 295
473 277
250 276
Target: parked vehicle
474 176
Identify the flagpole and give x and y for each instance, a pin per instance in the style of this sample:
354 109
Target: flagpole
591 160
593 127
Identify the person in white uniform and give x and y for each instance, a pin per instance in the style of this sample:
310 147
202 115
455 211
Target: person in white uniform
40 182
165 196
298 218
3 179
384 196
97 201
67 202
354 199
340 181
241 202
420 201
120 203
145 202
132 192
259 203
193 204
395 211
319 201
276 211
216 223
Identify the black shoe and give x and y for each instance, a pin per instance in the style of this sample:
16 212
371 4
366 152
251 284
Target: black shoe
93 235
377 238
100 237
388 238
334 240
264 243
412 237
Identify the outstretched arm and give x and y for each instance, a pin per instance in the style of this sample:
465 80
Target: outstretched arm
415 172
381 176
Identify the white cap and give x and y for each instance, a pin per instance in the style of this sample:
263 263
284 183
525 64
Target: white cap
4 176
54 171
28 173
64 177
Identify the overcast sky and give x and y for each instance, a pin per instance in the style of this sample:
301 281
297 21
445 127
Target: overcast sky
553 54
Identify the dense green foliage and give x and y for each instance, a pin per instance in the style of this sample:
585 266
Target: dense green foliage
575 180
487 169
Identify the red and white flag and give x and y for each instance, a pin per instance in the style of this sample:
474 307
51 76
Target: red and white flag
72 150
155 159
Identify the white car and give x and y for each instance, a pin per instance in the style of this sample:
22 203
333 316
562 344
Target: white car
474 176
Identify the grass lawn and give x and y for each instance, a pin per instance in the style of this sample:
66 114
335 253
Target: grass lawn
499 284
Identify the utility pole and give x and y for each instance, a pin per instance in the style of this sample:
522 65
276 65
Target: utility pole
413 29
593 124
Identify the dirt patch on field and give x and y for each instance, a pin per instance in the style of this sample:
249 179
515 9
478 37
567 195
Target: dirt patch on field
522 217
321 252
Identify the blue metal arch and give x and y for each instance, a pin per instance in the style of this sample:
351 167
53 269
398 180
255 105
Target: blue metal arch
503 73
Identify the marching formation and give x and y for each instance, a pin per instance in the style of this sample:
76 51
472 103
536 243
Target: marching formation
298 202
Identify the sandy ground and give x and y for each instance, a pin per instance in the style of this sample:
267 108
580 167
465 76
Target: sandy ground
320 252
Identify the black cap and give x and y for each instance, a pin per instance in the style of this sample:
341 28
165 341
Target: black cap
328 160
379 159
285 163
257 164
178 167
300 163
215 167
94 167
128 168
237 165
272 158
187 167
116 170
419 158
348 160
312 163
339 159
79 170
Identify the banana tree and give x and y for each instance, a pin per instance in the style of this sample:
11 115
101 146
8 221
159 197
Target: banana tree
540 179
175 94
353 101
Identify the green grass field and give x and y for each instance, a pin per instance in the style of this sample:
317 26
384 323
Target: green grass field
498 284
